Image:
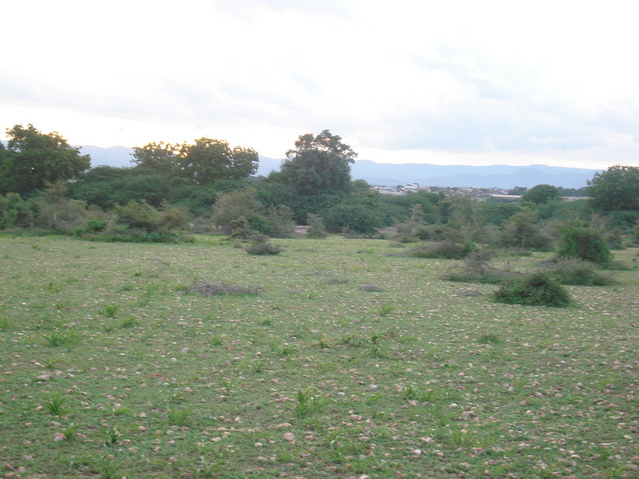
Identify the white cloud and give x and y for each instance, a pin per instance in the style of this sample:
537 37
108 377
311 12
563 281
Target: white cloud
463 81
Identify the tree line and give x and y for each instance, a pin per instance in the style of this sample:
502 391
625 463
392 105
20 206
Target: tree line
47 184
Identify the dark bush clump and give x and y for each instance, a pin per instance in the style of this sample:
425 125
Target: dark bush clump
536 289
442 250
261 246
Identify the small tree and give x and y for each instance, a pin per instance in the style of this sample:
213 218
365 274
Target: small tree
584 243
522 231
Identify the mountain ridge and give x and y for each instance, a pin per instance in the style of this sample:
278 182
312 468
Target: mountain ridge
425 174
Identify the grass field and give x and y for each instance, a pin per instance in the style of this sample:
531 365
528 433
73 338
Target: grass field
352 361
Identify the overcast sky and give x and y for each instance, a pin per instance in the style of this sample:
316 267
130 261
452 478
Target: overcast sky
447 82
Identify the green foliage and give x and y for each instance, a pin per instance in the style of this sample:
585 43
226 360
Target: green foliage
203 162
142 216
261 246
34 159
617 188
442 250
541 194
585 244
578 272
13 211
536 289
353 217
240 228
53 210
316 228
475 269
208 160
318 165
239 213
522 231
157 156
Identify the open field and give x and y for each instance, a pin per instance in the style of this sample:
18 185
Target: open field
351 361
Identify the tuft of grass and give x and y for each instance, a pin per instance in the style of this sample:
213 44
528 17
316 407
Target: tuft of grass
306 402
110 310
489 338
178 417
110 434
128 323
108 467
55 405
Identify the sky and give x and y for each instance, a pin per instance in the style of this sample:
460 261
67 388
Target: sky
462 82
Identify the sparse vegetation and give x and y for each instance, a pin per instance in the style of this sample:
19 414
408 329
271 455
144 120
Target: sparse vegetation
393 372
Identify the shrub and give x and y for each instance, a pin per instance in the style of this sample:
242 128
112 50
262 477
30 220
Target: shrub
522 231
536 289
476 270
261 246
316 227
240 228
584 243
578 272
442 250
357 218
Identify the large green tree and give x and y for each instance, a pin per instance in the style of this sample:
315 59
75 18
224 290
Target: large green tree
616 189
203 162
541 194
157 156
34 159
318 165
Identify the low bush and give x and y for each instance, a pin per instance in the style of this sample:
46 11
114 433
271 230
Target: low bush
442 250
316 227
261 246
578 272
536 289
475 269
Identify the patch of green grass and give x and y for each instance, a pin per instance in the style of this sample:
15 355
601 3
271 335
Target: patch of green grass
305 379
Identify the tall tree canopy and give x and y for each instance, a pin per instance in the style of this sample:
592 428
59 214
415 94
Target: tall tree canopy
204 162
318 165
34 159
616 189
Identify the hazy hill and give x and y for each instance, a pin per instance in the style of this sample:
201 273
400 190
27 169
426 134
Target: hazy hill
499 176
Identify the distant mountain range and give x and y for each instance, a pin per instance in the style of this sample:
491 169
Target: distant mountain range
387 174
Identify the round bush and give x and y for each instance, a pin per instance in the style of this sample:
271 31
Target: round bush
536 289
585 244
